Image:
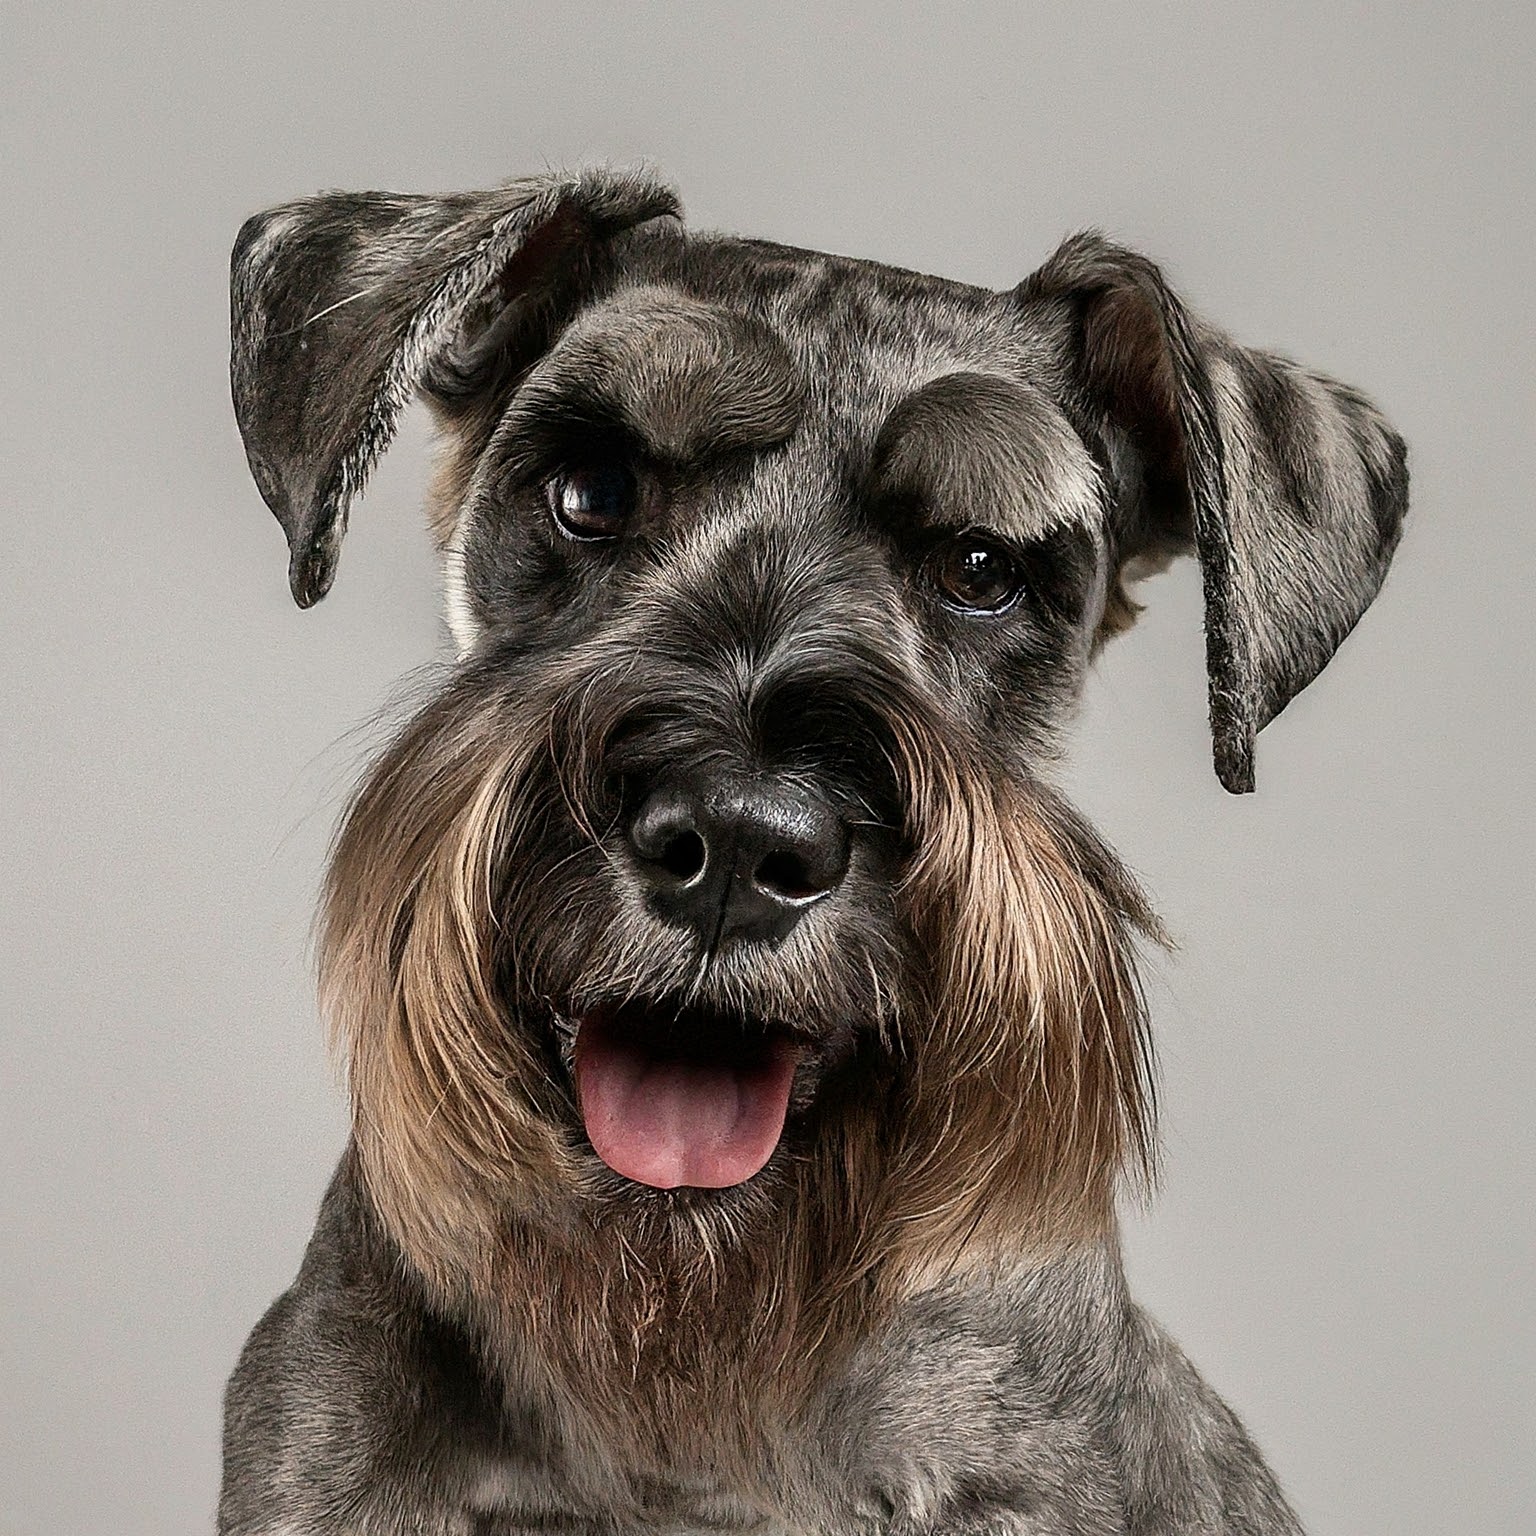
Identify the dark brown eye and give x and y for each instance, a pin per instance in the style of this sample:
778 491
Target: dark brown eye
975 574
591 503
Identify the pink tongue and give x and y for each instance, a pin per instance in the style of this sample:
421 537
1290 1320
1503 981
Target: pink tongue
668 1123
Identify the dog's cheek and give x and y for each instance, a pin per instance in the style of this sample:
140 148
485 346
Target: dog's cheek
1022 671
544 872
516 581
1024 684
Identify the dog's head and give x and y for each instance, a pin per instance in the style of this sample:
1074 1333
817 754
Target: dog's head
721 883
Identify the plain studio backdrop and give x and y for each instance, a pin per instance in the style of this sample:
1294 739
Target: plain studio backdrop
1343 1240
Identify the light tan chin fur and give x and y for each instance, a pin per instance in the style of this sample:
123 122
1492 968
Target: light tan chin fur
1018 1099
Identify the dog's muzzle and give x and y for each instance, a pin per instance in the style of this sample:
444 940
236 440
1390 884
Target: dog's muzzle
676 1094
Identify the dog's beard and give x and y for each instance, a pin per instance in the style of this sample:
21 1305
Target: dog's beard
951 1067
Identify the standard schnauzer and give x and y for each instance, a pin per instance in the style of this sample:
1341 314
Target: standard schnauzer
744 1041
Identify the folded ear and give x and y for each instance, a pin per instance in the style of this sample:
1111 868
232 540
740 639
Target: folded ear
1289 485
343 305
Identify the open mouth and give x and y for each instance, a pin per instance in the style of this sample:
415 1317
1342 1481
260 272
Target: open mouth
677 1097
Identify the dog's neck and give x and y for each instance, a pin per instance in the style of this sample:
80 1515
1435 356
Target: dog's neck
650 1347
713 1373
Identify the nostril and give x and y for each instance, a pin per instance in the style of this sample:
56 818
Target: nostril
733 859
684 856
667 837
783 873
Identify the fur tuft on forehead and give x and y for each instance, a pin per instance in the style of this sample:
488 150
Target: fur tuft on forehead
977 447
687 379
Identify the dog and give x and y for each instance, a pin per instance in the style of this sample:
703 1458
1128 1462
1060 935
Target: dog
744 1041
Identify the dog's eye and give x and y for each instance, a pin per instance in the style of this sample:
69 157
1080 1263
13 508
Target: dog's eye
591 503
975 574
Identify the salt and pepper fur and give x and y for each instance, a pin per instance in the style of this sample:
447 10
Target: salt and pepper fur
913 1319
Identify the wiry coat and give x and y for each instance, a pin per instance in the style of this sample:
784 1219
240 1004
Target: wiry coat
913 1318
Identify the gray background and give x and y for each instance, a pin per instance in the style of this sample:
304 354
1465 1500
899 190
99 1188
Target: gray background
1344 1239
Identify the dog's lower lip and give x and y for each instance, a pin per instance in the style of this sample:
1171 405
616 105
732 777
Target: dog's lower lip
704 1113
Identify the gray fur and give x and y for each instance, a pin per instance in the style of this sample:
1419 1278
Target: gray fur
970 440
691 380
821 421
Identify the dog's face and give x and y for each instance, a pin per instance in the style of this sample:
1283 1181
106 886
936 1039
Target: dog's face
721 884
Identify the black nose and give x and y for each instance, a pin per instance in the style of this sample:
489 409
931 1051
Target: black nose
737 859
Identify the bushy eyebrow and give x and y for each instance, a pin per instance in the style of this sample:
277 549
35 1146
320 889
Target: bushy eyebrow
687 380
976 449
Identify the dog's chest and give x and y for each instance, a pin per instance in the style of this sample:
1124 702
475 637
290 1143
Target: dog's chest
894 1437
513 1503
